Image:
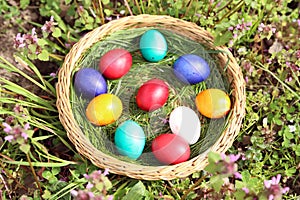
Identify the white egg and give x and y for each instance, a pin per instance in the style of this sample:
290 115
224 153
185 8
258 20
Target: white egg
185 122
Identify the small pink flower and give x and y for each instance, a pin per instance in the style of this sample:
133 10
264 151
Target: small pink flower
86 176
7 128
246 190
9 138
24 135
108 18
89 186
234 158
74 193
26 126
53 74
49 25
237 175
106 172
80 10
261 27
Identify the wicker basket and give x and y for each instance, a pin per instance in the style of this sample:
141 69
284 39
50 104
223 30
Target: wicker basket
138 171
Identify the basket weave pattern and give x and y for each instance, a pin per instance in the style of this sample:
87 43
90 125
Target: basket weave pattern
116 166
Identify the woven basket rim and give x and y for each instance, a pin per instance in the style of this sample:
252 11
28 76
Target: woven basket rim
114 165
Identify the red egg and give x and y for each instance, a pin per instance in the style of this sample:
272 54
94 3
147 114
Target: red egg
152 95
115 63
170 149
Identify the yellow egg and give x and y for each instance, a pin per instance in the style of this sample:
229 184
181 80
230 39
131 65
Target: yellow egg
213 103
104 109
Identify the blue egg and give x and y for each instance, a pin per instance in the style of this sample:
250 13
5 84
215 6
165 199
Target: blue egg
153 46
130 139
191 69
89 83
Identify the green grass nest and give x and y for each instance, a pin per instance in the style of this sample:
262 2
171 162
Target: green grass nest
141 71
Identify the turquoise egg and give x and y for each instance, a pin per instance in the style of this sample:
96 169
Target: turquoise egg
153 46
130 139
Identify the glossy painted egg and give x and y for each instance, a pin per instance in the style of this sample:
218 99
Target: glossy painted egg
170 149
213 103
191 69
130 139
152 95
115 63
153 46
185 122
104 109
89 83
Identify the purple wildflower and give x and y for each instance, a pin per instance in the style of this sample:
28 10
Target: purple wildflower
237 175
298 21
25 40
266 28
49 26
108 18
246 190
106 172
80 10
7 128
89 186
27 126
18 109
244 25
13 133
24 135
298 54
19 41
273 188
96 175
233 158
53 74
292 66
9 119
82 195
86 176
9 138
229 166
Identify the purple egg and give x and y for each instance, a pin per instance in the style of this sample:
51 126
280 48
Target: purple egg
89 83
191 69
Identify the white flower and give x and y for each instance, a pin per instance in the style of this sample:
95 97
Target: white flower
292 128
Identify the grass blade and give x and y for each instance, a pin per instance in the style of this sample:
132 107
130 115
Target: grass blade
22 91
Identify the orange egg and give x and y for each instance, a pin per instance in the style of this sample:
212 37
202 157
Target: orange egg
104 109
213 103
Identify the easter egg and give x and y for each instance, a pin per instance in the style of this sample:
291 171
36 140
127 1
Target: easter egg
185 122
130 139
89 83
152 95
170 149
191 69
213 103
104 109
153 46
115 63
